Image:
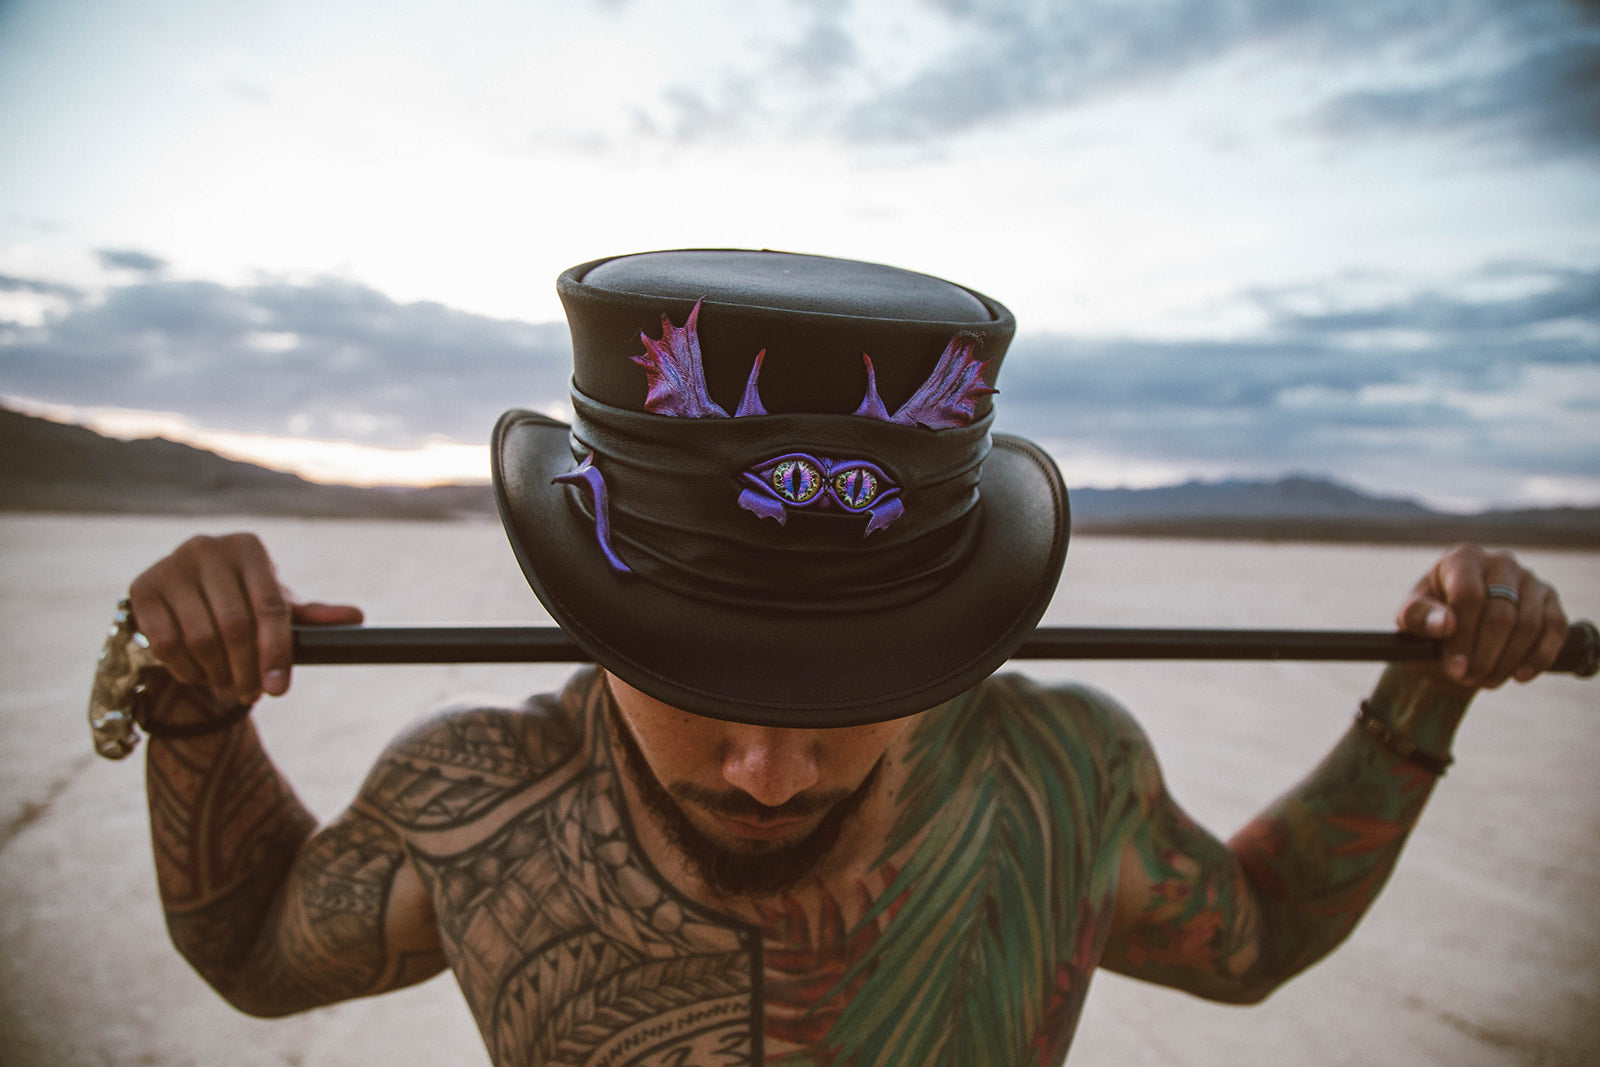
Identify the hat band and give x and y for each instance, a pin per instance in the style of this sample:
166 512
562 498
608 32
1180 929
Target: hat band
796 511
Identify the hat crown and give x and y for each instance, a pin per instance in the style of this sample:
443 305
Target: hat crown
815 318
789 281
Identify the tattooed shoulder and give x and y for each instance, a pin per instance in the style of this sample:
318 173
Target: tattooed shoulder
454 767
1091 727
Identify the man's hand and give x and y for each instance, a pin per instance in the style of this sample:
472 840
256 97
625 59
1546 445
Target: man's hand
1488 635
215 614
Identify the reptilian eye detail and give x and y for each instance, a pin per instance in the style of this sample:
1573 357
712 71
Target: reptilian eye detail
802 480
797 481
855 487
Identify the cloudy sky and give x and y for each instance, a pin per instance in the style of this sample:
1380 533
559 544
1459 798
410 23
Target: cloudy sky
1242 237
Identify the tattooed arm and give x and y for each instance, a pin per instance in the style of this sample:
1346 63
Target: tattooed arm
276 917
1232 922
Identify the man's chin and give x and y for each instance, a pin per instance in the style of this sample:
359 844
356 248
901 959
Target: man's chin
736 866
737 854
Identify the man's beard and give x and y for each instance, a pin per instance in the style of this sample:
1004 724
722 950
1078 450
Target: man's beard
730 872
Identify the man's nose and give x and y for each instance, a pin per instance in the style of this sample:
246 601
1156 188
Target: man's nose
771 764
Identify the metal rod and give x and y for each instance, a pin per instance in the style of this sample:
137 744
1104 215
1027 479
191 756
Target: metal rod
548 644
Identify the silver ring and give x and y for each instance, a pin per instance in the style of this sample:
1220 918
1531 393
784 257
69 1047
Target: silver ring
1504 592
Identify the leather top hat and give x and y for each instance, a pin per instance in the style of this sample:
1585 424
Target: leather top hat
779 501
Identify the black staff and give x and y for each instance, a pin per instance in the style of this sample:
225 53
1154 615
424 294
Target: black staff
1580 654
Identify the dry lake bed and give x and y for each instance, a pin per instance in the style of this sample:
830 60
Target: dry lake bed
1483 950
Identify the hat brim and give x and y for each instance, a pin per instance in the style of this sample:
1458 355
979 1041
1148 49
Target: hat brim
772 668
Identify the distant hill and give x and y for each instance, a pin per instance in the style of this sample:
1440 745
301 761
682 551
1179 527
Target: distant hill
48 466
1294 497
1314 509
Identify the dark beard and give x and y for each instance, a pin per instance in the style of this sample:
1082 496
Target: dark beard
730 872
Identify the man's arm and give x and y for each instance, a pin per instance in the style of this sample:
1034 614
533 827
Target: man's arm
1232 922
276 917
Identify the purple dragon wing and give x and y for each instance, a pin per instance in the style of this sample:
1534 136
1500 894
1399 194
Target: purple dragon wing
674 373
946 400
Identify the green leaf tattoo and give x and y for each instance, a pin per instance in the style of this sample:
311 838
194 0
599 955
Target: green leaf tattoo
991 946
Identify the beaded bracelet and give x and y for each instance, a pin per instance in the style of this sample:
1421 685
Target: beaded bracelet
1403 747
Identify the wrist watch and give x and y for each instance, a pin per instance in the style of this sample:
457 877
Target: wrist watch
117 686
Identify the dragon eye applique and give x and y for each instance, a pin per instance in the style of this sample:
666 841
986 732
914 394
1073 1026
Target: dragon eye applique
855 488
799 480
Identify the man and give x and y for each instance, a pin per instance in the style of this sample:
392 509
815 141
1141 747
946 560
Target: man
791 816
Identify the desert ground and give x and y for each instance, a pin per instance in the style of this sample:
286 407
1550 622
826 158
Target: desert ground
1483 950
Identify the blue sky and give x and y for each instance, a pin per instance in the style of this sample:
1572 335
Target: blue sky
1242 237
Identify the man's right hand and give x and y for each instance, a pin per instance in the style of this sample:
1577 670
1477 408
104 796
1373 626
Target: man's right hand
216 615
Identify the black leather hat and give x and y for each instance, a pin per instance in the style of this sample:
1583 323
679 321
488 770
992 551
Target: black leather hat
779 501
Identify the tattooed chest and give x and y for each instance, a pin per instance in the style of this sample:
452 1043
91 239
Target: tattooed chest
974 947
570 951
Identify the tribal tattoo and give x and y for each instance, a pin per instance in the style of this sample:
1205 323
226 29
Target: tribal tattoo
1029 824
276 920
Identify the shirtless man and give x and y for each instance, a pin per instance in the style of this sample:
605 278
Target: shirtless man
614 879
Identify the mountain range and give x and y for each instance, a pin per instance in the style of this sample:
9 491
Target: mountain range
56 467
52 466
